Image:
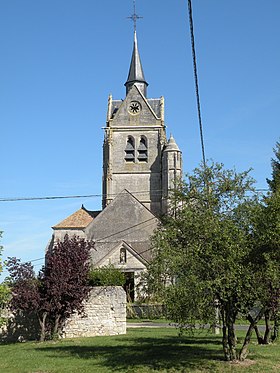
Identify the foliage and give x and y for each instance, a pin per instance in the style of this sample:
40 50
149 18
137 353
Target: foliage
266 259
24 285
267 243
4 299
1 249
60 287
274 183
4 291
106 276
4 295
65 278
28 295
201 251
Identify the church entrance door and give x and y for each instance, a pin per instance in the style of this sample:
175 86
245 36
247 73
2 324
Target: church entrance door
129 286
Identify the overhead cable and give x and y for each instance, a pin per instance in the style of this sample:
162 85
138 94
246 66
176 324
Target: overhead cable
18 199
196 82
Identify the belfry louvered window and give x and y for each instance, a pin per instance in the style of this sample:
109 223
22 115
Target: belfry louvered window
143 150
130 150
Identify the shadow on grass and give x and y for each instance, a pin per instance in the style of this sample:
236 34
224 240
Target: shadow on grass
144 352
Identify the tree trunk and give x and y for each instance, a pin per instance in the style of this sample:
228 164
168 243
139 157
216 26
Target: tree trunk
56 326
216 324
225 336
266 338
232 340
42 322
275 335
258 334
244 350
230 320
253 325
252 321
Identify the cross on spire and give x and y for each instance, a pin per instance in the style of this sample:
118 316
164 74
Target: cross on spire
134 17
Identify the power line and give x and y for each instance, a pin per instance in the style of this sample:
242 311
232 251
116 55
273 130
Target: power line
196 82
36 260
19 199
127 229
28 261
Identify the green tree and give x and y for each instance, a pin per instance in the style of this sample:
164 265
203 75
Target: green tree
1 250
268 245
266 260
267 250
201 251
4 290
265 270
274 182
4 299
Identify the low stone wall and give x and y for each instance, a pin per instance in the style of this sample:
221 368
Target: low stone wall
105 314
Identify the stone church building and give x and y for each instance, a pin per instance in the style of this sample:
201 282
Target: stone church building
140 167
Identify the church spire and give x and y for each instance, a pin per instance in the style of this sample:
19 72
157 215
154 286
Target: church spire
136 74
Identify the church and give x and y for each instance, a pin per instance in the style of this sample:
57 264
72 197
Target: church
140 168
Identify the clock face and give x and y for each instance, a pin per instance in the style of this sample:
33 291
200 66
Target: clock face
134 107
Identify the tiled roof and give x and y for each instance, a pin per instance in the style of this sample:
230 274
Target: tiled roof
80 219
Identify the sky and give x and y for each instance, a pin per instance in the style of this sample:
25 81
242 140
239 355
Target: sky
60 59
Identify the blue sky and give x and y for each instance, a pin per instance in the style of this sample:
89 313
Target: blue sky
61 58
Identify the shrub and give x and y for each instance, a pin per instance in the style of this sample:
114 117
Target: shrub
106 276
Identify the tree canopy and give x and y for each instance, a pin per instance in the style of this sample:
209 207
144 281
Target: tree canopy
202 251
266 259
274 182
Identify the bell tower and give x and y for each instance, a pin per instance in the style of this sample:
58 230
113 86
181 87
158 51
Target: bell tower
134 143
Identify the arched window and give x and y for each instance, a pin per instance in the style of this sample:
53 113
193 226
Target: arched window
130 150
122 255
143 150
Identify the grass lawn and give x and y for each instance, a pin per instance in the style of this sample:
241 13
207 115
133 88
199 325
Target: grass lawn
140 350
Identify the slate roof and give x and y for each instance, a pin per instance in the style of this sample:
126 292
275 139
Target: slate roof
79 219
136 73
171 145
155 105
125 219
143 249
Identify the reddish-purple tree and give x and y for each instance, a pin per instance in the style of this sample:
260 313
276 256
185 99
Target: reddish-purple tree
60 287
65 278
27 292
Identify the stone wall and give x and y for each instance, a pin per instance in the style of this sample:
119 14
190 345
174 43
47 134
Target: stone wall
105 314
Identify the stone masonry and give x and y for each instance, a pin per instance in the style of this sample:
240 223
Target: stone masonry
105 314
